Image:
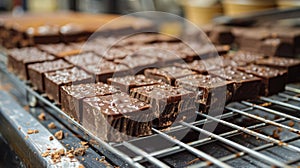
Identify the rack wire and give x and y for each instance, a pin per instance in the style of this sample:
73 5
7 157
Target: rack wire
256 120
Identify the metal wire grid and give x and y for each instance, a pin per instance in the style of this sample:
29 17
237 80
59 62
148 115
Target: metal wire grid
115 155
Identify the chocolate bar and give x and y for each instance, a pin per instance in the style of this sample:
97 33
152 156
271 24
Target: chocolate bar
73 95
288 35
60 49
273 79
37 72
138 64
167 102
126 83
116 117
276 47
212 92
168 74
54 80
221 35
19 59
244 57
245 86
84 59
103 70
291 65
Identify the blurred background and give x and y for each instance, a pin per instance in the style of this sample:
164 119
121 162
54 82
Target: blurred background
198 11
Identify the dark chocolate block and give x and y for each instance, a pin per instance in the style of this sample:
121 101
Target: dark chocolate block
168 74
292 66
84 59
250 38
288 35
221 35
105 69
115 53
54 80
165 57
44 34
275 47
245 86
37 72
211 91
244 57
116 117
19 59
138 64
126 83
273 79
60 49
72 96
167 102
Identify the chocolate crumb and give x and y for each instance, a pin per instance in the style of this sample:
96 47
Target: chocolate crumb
79 151
193 161
70 155
51 125
51 138
59 135
83 143
80 166
291 123
45 154
26 108
42 117
19 128
30 131
275 134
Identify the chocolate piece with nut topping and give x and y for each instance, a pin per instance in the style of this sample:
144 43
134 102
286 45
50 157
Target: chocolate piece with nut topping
54 80
126 83
37 72
211 91
72 96
115 117
245 86
168 74
273 79
167 102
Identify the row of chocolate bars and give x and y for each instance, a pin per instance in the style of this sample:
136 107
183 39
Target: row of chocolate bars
123 92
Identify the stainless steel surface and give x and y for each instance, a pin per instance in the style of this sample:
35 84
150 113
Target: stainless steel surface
20 121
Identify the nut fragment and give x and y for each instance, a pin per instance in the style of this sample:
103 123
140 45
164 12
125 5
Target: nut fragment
80 166
83 143
70 155
42 117
79 151
59 135
45 154
291 123
51 125
61 152
30 131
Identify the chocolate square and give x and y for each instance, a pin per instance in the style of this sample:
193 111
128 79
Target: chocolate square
291 65
211 91
19 59
168 74
60 49
37 72
273 79
245 86
116 117
73 95
167 102
126 83
54 80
